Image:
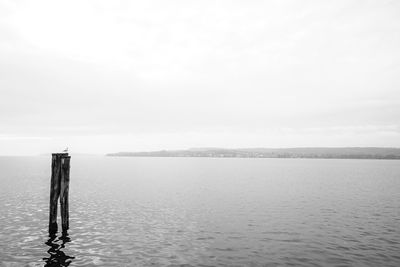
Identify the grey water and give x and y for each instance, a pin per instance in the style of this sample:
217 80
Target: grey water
204 212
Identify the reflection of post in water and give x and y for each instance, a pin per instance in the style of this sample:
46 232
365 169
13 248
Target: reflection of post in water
57 257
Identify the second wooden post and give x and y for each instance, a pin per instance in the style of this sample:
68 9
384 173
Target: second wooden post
64 193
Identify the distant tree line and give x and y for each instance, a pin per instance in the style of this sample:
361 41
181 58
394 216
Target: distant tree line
327 153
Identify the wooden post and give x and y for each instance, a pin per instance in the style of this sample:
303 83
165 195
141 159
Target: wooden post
59 185
64 193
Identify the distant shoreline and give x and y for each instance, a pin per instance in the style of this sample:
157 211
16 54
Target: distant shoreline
310 153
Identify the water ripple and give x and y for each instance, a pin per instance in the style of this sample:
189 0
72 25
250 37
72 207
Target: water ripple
137 215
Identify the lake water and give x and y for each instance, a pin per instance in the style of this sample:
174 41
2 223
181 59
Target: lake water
204 212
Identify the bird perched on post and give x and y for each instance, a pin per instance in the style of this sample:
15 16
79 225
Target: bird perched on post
65 150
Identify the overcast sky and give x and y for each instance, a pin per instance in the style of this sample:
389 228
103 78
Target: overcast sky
107 76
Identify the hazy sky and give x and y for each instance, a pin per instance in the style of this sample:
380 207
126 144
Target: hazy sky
107 76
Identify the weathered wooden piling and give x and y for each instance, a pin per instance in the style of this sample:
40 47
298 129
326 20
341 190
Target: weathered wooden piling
59 187
64 193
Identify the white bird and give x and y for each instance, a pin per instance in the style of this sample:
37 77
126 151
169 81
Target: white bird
65 150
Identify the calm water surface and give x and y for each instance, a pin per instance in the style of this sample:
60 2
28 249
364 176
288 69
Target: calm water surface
204 212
